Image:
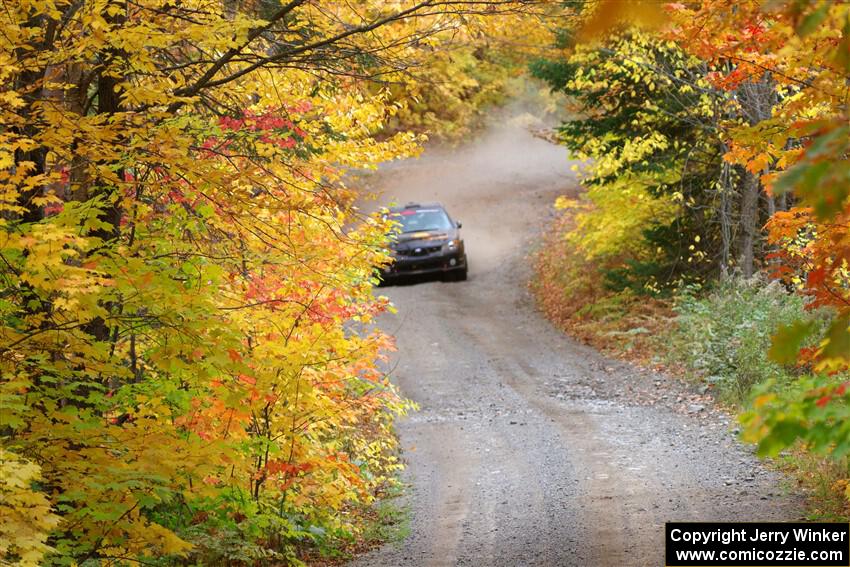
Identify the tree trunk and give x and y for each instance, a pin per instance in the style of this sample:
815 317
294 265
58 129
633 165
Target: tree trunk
749 187
725 216
109 103
757 99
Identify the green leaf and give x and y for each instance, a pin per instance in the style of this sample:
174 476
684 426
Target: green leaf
820 185
812 20
786 343
789 179
837 345
842 54
828 143
782 435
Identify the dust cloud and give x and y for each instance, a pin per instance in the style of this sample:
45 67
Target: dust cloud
480 180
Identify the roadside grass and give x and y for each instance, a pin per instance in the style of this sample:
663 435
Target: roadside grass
390 521
824 480
718 336
385 521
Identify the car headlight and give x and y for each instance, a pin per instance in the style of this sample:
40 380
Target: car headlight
452 244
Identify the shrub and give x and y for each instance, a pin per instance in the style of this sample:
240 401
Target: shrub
724 335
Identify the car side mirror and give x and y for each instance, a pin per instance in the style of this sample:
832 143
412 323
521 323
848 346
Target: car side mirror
459 224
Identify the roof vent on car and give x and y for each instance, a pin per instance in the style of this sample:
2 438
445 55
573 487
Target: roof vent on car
411 205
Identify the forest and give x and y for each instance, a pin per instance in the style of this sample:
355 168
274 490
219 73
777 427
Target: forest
191 369
715 136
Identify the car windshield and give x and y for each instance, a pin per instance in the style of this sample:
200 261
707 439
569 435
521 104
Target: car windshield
415 220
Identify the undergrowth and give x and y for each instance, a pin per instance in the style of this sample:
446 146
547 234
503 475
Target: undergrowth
723 334
825 480
385 521
569 289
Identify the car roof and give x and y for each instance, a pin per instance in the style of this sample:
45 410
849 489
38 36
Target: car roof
412 205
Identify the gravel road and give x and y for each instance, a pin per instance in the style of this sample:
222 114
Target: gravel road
530 449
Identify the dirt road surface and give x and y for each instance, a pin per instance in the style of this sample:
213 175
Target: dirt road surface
530 449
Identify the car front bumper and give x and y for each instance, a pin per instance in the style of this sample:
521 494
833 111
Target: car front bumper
420 265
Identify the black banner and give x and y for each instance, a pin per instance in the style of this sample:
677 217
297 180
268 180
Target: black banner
753 544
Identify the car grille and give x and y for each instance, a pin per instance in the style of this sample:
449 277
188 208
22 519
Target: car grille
419 251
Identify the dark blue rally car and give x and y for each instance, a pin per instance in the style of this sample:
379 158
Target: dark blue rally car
425 241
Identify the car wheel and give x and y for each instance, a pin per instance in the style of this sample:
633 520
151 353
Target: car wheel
458 275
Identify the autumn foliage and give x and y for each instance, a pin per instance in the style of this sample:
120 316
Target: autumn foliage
718 138
190 369
799 150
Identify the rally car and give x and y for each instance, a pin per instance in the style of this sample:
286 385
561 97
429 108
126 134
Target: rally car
425 240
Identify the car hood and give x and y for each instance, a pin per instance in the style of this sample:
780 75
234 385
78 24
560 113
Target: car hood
412 239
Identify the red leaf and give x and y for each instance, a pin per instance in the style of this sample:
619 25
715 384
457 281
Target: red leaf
816 277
